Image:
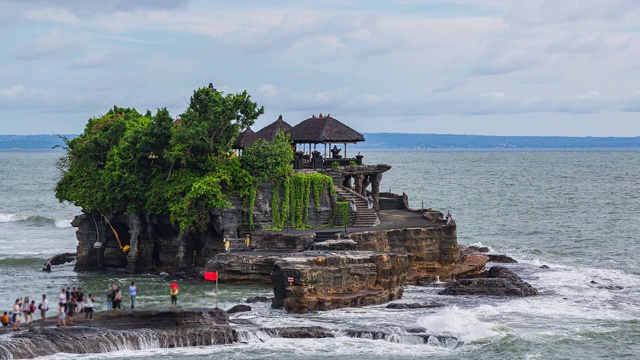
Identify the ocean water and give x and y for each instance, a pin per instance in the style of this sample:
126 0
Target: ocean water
577 212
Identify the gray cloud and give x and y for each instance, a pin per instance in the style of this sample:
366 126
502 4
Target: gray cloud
54 44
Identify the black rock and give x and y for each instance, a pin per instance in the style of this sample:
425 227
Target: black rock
499 281
416 330
482 249
414 306
257 299
544 267
503 259
437 340
239 308
307 332
610 287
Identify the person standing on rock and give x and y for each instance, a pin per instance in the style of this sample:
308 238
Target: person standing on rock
71 308
62 299
32 313
174 295
61 317
88 306
26 310
80 300
44 306
117 297
133 292
110 299
16 315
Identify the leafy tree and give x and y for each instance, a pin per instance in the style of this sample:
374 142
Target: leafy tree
207 129
269 159
128 162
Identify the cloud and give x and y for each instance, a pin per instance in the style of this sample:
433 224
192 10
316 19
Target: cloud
82 7
268 90
55 43
55 15
377 61
13 91
536 13
96 60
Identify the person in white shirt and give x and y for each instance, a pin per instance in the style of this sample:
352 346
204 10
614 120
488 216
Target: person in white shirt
62 300
44 306
88 306
133 292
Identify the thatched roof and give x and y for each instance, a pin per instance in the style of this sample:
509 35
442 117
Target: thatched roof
270 131
324 129
245 139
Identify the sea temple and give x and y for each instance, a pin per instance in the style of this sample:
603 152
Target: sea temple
204 196
341 242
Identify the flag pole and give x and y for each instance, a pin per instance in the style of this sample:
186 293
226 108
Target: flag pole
217 291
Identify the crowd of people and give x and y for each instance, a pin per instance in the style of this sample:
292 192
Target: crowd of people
71 301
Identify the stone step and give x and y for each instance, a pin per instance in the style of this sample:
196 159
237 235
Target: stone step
363 217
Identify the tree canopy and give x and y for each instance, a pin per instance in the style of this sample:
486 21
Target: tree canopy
126 162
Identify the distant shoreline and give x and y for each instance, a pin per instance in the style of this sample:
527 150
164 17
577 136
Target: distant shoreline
398 141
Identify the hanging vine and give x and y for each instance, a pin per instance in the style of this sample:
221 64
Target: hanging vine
293 208
343 210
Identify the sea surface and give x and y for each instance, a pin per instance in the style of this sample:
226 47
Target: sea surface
578 212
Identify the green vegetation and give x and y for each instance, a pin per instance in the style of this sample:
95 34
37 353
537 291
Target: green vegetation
291 196
127 162
335 164
343 209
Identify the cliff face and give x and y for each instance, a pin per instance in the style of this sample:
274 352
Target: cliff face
323 280
434 249
158 245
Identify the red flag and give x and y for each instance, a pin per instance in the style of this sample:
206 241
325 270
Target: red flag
211 275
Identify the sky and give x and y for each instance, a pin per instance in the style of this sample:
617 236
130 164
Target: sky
485 67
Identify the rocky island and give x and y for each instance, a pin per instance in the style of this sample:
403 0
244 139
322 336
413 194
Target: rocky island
285 206
204 192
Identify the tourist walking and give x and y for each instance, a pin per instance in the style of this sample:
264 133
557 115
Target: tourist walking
44 307
133 292
174 295
80 298
88 306
62 300
26 310
32 313
110 298
67 296
61 316
117 297
16 315
71 308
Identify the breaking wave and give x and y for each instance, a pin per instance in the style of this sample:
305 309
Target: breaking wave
34 220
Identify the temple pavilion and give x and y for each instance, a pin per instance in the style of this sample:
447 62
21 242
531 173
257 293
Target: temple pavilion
332 135
320 143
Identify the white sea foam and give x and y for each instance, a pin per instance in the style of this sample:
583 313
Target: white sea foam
480 245
63 224
287 348
5 218
461 323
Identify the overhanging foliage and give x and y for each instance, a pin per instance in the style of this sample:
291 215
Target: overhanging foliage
126 162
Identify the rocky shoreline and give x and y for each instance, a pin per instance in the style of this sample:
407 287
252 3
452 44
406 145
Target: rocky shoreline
143 329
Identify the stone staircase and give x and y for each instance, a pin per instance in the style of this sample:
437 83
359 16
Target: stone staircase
364 217
237 245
